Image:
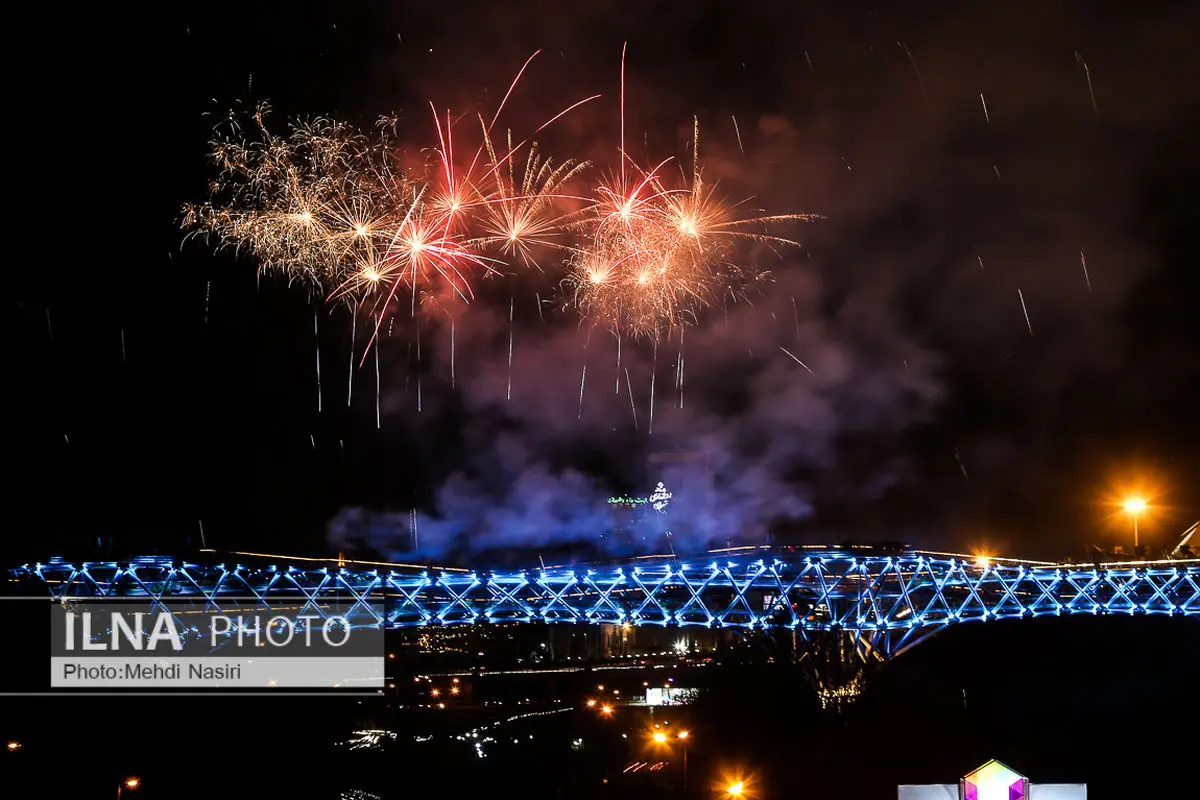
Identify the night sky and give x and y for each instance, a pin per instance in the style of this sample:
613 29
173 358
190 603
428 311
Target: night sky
964 160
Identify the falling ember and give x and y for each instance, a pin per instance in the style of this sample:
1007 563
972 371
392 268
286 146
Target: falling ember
618 362
789 354
582 382
1028 324
508 388
452 352
1087 73
653 373
679 369
961 466
350 380
738 131
1086 278
986 117
917 72
632 406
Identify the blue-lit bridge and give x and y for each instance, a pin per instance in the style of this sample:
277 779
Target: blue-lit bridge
887 601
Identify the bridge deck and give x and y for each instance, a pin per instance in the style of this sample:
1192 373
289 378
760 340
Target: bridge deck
893 600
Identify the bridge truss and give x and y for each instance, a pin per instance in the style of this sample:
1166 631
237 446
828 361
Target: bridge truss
882 604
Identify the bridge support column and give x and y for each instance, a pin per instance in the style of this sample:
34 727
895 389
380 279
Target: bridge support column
837 664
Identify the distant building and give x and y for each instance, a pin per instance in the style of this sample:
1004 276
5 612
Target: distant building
994 781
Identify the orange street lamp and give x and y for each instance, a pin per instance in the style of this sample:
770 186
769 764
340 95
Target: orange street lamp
128 783
14 746
1135 506
735 789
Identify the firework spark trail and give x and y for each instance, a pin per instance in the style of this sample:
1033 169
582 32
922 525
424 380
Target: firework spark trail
1087 73
961 466
1086 278
618 334
917 72
980 260
798 361
738 131
452 326
508 389
122 345
49 327
986 117
679 369
207 296
1025 310
621 152
317 341
417 322
378 422
632 406
350 379
653 374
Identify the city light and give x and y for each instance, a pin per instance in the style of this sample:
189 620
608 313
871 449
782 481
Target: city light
606 710
660 737
129 783
1135 506
735 789
14 747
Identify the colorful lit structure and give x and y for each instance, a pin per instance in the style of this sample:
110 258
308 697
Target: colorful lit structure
995 781
886 603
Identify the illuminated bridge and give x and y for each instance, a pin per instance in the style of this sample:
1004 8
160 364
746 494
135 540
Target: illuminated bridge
887 601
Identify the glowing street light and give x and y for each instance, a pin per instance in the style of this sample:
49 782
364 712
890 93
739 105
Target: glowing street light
13 746
128 783
660 737
735 789
1135 506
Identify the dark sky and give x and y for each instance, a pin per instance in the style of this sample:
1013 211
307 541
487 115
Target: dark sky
964 159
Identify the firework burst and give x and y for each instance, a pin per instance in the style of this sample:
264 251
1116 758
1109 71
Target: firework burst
331 208
653 256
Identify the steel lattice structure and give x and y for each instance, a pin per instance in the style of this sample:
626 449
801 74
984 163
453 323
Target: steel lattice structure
887 603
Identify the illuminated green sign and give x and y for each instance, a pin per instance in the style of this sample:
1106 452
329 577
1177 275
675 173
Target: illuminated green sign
628 501
658 500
